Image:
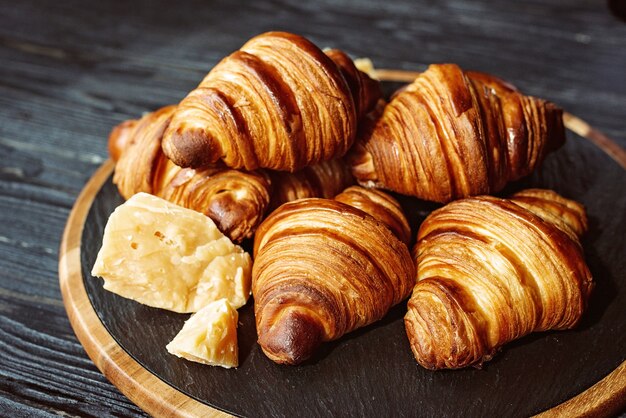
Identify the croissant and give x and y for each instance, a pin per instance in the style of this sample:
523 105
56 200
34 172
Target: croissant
279 102
235 200
325 179
492 270
322 269
453 134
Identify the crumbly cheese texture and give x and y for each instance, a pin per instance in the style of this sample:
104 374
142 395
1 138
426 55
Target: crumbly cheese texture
209 336
170 257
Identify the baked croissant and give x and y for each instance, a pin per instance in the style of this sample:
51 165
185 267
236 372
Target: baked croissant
278 102
322 269
235 200
492 270
325 179
452 134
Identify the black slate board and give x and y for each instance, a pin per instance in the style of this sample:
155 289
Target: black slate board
371 372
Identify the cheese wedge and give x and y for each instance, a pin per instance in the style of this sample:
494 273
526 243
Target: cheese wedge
169 257
209 336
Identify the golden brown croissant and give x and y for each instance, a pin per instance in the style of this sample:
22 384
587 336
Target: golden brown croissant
492 270
322 269
366 91
452 134
325 179
278 102
380 206
235 200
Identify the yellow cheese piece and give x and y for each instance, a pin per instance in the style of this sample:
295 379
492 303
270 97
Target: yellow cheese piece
169 257
367 66
209 336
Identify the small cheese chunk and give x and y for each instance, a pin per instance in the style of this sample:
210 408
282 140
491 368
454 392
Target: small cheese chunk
209 336
367 66
169 257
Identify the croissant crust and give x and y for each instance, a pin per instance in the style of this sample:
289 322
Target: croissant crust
322 269
380 206
452 134
278 102
492 270
325 179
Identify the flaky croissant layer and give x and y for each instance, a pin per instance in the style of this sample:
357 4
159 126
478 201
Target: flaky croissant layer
453 134
279 102
235 200
325 179
492 270
322 269
381 206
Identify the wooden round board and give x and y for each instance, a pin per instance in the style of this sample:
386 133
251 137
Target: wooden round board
371 372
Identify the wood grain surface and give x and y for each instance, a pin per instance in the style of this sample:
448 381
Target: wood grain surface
71 70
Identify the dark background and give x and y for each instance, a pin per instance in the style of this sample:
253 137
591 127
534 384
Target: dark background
69 71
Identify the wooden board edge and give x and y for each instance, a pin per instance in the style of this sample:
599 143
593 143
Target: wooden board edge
137 383
606 144
604 399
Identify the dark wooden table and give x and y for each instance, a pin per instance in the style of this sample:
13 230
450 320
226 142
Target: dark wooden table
70 71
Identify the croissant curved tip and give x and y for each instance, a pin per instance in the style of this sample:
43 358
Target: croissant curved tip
230 215
421 346
190 147
441 335
292 339
556 128
120 138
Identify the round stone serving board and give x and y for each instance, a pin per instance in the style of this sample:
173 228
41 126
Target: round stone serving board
371 372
